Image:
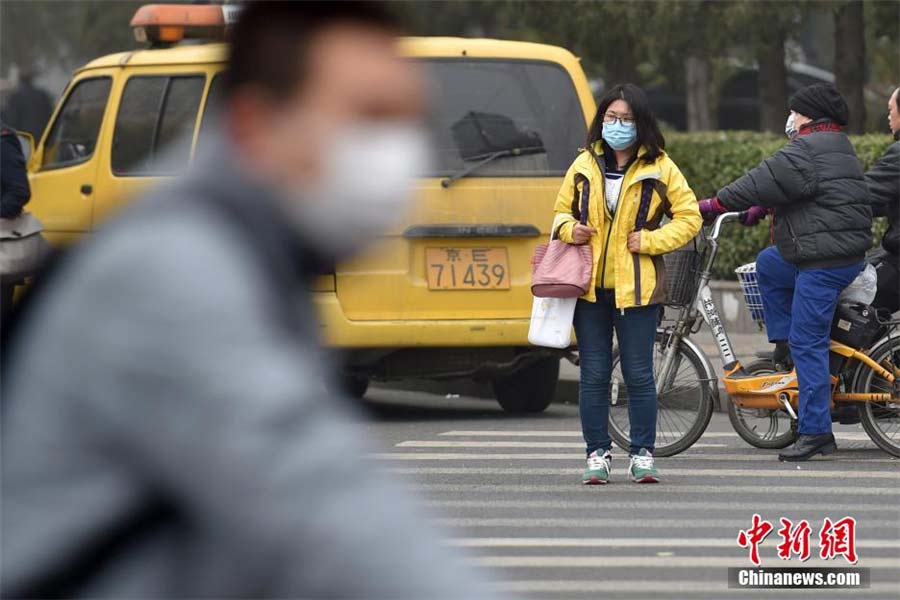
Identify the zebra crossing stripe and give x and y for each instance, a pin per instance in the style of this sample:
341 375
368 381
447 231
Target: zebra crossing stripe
680 542
513 488
775 504
758 456
442 444
646 587
583 523
790 472
649 562
840 435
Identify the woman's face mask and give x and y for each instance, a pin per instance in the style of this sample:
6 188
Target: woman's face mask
790 129
367 181
619 135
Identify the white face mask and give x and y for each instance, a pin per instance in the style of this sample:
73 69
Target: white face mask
789 129
368 177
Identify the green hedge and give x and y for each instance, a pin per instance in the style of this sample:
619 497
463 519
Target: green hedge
711 160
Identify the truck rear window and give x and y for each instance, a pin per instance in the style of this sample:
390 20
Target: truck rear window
482 106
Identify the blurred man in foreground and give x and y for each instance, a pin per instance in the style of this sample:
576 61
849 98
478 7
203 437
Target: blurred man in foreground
166 432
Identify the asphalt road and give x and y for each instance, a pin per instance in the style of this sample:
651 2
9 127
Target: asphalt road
507 492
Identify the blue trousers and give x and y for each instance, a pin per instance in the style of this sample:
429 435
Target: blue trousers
799 306
635 331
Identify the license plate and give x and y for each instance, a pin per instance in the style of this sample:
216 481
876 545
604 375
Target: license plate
467 268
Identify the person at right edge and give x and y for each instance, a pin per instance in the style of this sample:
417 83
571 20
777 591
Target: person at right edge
883 180
823 228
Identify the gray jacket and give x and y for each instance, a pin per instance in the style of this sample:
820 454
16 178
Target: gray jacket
816 187
166 432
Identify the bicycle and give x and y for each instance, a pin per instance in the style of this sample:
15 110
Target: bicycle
763 403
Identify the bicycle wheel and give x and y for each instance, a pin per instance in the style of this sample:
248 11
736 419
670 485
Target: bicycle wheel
762 427
684 407
881 420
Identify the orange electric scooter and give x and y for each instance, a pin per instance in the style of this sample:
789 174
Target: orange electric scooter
865 367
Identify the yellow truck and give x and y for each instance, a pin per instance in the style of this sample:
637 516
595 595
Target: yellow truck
446 293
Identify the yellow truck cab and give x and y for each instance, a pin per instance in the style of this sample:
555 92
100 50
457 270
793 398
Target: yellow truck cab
447 292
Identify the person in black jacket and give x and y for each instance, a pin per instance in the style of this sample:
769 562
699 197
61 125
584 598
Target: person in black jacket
13 176
823 228
883 180
14 195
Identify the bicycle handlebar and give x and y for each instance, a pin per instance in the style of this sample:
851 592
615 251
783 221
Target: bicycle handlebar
717 224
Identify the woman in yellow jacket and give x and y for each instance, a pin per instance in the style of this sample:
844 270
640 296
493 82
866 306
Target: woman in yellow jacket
631 187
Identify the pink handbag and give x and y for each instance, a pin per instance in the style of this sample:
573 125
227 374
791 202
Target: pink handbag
561 270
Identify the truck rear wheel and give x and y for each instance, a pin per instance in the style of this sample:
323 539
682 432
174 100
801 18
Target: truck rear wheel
530 389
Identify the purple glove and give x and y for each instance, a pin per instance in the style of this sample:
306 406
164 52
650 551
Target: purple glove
710 208
753 215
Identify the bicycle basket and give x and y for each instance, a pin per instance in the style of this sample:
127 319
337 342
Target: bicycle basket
750 285
682 270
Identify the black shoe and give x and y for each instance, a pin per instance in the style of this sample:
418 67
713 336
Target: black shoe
807 446
782 357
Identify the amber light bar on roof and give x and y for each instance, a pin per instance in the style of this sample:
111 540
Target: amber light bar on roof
163 24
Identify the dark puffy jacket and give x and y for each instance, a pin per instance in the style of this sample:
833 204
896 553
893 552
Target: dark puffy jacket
883 180
13 177
816 187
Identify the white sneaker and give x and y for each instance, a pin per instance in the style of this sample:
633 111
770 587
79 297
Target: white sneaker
598 468
642 469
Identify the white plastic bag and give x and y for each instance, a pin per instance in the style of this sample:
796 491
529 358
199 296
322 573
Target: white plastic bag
551 322
22 246
863 288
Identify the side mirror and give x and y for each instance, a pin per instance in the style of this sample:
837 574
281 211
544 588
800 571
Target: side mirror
26 141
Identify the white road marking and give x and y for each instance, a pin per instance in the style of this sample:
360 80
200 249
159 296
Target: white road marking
841 435
690 515
513 488
627 586
759 456
588 523
651 562
774 504
442 444
788 472
513 542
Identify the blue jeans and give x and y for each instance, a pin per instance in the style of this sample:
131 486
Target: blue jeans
635 331
799 306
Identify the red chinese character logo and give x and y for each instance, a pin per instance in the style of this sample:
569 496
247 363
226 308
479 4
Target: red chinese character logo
838 538
754 536
795 540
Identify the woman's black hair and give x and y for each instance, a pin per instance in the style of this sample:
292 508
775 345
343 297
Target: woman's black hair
648 134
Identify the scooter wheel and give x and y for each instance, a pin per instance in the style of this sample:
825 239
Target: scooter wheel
771 429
